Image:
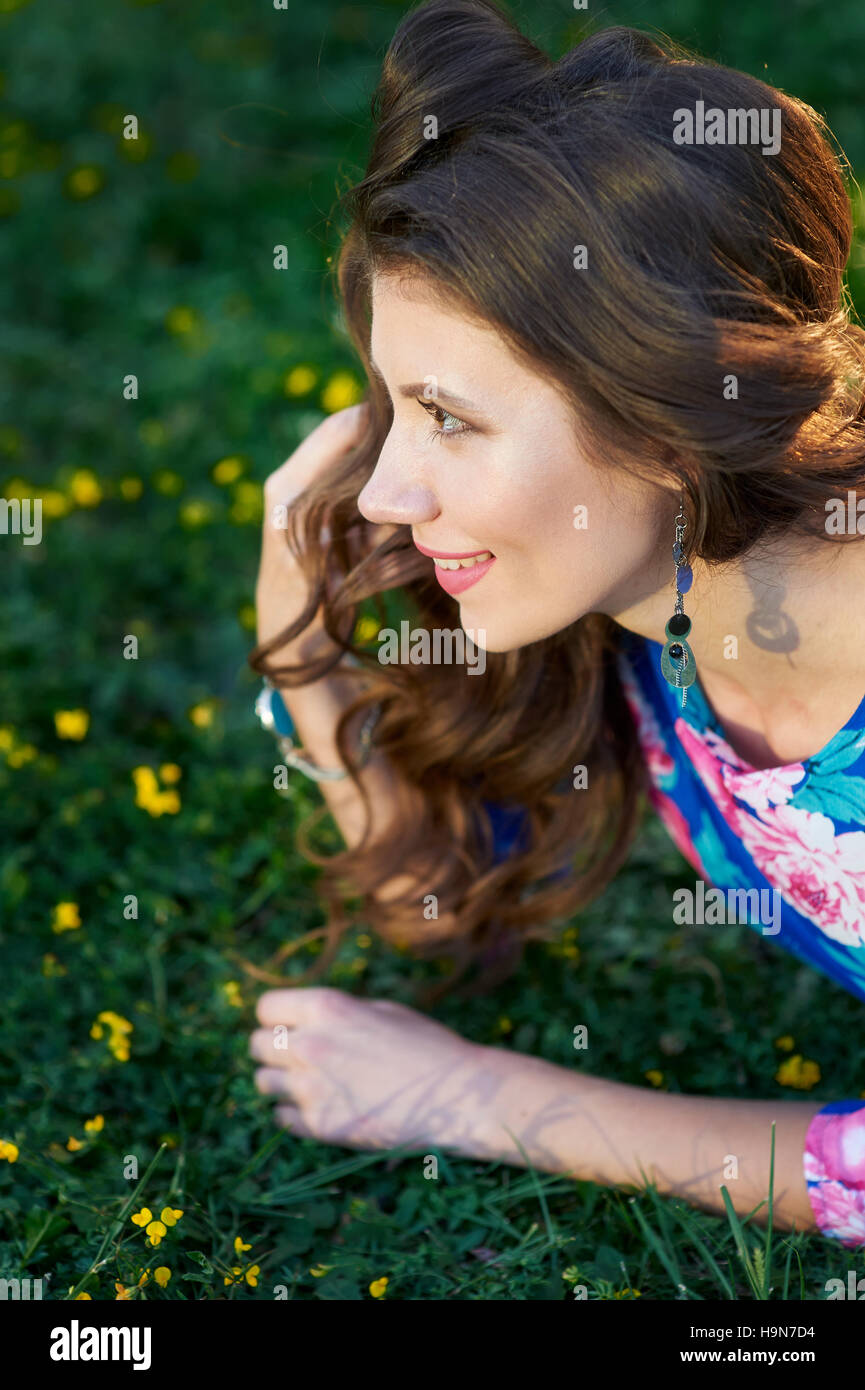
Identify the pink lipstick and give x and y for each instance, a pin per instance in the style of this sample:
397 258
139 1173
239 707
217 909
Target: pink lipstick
461 577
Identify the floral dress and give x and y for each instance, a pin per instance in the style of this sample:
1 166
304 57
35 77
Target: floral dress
789 842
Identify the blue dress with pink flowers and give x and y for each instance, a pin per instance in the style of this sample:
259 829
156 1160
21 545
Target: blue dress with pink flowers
786 848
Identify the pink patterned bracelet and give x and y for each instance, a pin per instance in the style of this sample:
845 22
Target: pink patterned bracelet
834 1168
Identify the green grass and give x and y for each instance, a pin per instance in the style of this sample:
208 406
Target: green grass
247 132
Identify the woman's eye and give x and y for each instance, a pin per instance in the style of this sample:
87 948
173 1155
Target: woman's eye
448 424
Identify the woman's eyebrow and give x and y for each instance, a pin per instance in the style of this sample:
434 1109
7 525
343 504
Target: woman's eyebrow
417 388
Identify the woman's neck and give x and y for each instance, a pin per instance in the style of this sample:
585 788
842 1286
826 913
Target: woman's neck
779 641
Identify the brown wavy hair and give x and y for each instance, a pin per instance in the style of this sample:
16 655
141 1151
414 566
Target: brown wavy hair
705 260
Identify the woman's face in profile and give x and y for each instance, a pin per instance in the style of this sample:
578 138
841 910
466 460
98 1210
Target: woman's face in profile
501 471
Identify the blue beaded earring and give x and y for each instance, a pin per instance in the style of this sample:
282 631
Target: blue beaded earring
678 666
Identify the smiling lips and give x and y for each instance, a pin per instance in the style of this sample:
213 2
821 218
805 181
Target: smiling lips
456 571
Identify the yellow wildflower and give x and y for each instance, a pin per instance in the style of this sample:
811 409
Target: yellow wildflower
155 1231
166 481
235 1270
122 1293
54 503
319 1271
19 756
79 1296
71 723
252 1276
96 1125
170 1215
378 1286
84 488
247 617
797 1072
504 1025
228 470
73 1144
247 503
342 390
239 1246
300 380
786 1043
365 629
65 917
131 488
162 1275
170 772
83 182
51 966
201 715
8 1150
628 1293
231 990
7 738
181 319
655 1077
142 1217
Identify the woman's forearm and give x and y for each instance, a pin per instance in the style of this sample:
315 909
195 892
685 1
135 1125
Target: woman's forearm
316 709
604 1132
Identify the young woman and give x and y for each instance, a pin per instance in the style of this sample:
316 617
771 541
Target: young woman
608 353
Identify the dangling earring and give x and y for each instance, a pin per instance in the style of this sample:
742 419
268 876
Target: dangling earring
678 666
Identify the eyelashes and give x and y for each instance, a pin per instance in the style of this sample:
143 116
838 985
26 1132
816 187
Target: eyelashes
433 410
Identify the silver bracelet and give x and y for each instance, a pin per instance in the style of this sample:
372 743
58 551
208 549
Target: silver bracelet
292 755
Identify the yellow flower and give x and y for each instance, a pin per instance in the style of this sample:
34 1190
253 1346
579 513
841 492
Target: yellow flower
83 182
377 1287
121 1293
300 380
170 1215
19 756
655 1077
65 917
71 723
142 1279
79 1296
364 940
54 503
8 1150
119 1049
168 482
786 1043
142 1217
231 990
796 1072
181 319
234 1271
247 617
504 1025
96 1125
152 432
239 1246
319 1271
628 1293
342 390
252 1275
131 488
365 629
228 470
162 1275
196 512
147 793
84 488
170 772
118 1042
201 715
155 1231
247 504
7 738
73 1144
51 966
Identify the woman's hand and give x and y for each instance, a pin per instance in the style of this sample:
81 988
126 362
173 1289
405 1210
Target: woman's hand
372 1074
281 590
